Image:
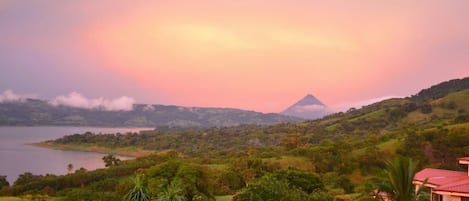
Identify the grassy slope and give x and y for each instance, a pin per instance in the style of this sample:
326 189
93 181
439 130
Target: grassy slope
460 98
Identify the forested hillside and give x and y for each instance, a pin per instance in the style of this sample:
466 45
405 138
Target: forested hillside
33 112
387 120
341 155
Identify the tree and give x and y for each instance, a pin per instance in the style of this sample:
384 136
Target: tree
139 192
290 142
229 181
25 178
3 181
267 188
171 193
70 168
166 178
110 160
284 185
398 182
304 181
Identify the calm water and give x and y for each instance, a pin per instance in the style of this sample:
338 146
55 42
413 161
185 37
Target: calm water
16 157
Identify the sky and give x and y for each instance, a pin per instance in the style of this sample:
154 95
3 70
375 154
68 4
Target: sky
261 55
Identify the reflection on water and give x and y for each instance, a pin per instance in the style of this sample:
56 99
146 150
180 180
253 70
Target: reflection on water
17 158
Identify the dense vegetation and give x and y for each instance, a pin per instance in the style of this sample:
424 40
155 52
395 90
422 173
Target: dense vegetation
341 156
442 89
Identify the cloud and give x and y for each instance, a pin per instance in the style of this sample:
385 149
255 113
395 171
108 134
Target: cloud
345 106
309 108
77 100
10 96
148 108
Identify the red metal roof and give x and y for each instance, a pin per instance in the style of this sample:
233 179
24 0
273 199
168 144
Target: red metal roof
461 186
438 177
445 180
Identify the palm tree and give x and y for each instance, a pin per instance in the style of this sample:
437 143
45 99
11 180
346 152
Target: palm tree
138 192
399 175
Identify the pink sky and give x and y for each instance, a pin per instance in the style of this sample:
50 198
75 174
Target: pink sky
256 55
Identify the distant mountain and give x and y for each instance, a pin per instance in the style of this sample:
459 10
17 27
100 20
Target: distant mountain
39 112
413 128
307 108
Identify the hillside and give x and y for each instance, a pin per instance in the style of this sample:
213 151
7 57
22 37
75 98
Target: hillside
379 118
343 153
442 89
383 121
39 112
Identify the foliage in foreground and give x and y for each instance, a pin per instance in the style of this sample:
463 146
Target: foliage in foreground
139 192
398 182
285 185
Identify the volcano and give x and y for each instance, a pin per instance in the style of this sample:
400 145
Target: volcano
308 107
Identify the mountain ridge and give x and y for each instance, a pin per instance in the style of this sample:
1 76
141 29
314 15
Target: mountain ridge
382 122
30 112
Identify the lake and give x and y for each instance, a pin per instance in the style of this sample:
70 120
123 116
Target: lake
16 157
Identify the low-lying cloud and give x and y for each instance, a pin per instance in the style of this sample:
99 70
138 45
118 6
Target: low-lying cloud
10 96
346 106
148 108
309 108
77 100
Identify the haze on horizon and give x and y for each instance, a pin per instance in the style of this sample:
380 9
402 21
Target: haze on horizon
256 55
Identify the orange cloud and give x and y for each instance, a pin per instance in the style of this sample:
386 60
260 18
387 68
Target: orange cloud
212 61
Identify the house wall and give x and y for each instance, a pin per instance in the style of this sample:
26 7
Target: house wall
446 198
451 198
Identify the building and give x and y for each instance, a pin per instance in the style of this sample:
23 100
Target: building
445 185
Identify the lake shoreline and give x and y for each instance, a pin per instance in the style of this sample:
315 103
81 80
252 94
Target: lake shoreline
21 147
130 152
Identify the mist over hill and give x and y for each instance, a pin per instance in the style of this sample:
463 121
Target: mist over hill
30 112
20 111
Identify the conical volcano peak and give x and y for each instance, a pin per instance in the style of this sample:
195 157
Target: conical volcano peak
309 99
308 107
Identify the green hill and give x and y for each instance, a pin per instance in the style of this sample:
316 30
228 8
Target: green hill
344 150
384 120
33 112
